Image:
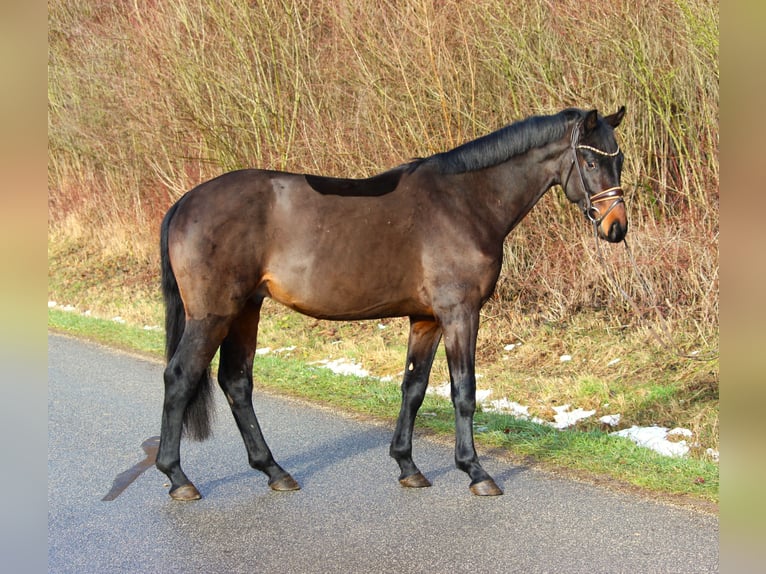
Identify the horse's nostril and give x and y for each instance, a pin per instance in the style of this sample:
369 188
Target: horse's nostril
617 232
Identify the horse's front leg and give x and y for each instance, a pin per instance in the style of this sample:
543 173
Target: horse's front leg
460 343
421 348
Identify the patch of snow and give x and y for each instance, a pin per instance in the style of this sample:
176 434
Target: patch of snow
613 362
119 320
565 419
51 304
504 406
565 358
510 347
482 395
656 438
343 367
267 350
442 390
712 453
680 432
611 420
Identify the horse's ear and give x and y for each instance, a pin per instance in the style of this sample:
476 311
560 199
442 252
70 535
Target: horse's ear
615 119
590 122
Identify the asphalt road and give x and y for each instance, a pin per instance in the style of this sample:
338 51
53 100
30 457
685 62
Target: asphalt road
351 514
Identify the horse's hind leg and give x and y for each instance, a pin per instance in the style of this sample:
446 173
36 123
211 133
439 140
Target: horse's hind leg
421 348
235 375
186 379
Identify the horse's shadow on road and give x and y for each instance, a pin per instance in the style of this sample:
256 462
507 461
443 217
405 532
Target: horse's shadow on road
306 465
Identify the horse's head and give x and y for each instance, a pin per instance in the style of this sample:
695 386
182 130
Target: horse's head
592 174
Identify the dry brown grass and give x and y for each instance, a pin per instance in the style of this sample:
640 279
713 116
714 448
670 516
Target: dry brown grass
147 100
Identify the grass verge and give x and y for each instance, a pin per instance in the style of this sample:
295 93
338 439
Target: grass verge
591 455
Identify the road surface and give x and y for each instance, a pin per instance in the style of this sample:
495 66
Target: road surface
351 514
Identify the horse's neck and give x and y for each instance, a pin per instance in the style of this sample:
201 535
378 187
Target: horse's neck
512 189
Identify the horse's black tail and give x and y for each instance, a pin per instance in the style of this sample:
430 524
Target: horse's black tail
196 419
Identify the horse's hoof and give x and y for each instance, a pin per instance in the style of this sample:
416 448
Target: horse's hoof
486 488
416 480
185 493
284 483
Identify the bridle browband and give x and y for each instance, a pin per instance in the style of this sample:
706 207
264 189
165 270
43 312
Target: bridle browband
612 193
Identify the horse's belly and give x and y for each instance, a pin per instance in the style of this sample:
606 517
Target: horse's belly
341 295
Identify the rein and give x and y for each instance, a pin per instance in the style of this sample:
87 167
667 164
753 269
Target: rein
667 341
592 214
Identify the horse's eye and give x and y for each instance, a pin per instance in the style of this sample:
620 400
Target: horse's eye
591 165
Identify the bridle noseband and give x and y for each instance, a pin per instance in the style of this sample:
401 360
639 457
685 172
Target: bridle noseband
612 193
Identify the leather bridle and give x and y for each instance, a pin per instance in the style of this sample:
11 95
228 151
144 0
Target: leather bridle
613 193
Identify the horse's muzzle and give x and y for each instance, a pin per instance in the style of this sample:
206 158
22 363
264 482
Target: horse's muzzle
610 219
617 231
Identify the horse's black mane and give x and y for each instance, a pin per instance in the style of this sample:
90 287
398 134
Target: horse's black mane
486 151
501 145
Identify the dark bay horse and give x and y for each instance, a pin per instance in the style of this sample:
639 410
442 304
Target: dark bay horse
423 240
